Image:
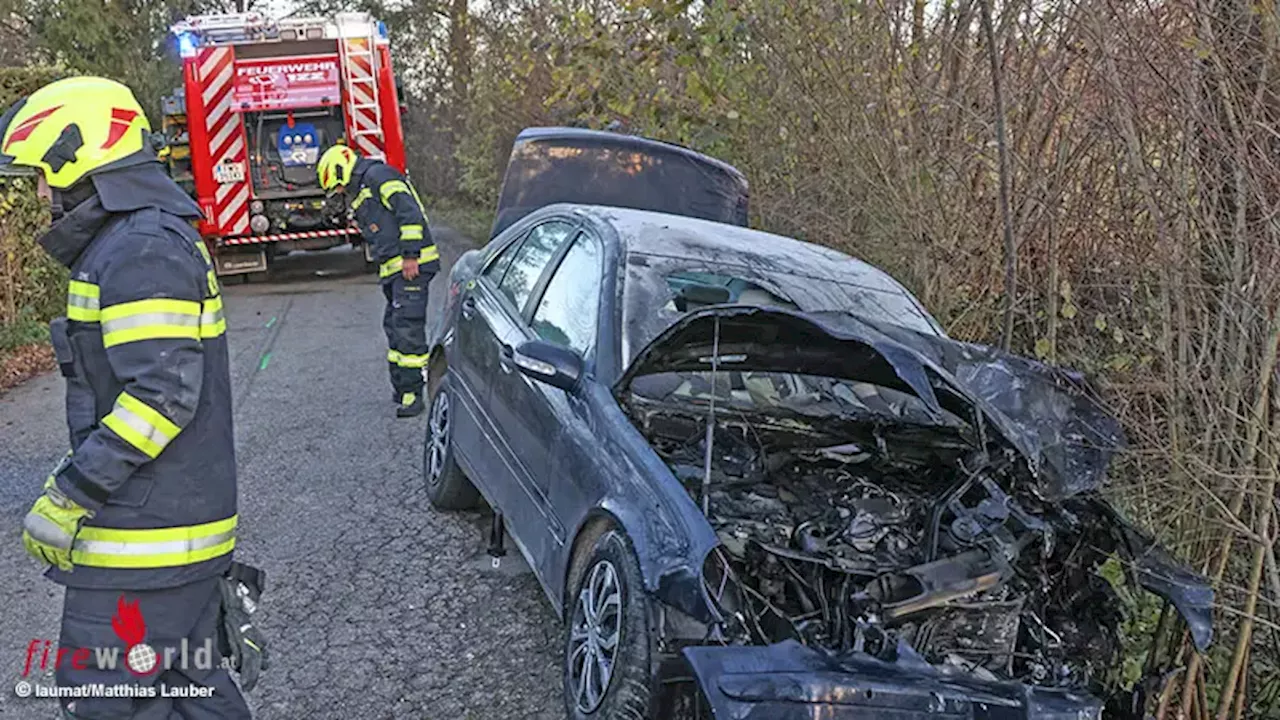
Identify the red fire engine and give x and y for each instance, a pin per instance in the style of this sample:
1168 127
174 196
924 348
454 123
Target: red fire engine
261 100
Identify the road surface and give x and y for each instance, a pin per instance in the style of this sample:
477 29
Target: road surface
376 605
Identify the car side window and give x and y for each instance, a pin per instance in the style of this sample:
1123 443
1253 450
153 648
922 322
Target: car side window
498 267
568 309
530 259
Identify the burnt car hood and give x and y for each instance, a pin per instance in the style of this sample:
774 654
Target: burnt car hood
1044 413
789 681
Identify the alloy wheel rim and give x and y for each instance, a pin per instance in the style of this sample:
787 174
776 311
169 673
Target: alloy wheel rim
439 444
594 635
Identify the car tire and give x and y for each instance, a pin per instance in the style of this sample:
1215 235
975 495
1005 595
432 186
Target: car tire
447 486
592 618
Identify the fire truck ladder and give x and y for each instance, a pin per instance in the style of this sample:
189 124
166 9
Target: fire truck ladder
362 89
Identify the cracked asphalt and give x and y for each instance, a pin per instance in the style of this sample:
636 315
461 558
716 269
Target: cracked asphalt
376 605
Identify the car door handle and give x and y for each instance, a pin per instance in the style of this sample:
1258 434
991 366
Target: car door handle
468 307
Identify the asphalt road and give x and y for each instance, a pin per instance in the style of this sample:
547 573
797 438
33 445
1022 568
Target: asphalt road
376 606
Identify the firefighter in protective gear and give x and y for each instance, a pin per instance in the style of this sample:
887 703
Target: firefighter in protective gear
141 513
391 219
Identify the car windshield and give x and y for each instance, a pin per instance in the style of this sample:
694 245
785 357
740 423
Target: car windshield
660 289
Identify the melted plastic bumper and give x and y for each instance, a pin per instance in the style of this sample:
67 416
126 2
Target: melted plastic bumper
789 681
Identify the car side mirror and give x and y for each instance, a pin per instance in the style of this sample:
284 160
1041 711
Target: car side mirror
552 364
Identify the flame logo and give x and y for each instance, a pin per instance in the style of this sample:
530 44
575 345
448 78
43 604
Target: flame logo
128 623
129 626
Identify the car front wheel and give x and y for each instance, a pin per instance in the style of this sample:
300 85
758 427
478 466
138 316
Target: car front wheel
447 486
609 652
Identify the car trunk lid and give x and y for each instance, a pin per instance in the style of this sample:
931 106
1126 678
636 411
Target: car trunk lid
588 167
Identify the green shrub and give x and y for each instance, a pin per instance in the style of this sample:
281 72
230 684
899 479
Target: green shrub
32 284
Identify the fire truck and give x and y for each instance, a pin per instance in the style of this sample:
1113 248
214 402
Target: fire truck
261 100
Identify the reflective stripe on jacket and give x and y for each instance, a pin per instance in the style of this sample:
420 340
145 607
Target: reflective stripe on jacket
391 218
148 403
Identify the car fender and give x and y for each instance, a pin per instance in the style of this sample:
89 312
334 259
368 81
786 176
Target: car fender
674 579
670 536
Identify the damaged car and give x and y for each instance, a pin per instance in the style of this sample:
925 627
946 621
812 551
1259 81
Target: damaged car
755 477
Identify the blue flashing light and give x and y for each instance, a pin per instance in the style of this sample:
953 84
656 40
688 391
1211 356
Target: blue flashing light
187 44
382 29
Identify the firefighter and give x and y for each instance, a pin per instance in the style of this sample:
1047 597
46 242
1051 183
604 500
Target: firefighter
138 521
391 219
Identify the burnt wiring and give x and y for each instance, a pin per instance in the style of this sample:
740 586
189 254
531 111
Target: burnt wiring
833 582
935 518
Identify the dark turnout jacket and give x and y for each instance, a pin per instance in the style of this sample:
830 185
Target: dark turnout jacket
143 349
391 218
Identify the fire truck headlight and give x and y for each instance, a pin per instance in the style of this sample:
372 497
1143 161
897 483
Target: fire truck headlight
256 207
187 44
259 223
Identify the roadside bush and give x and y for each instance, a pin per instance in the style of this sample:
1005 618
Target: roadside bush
32 285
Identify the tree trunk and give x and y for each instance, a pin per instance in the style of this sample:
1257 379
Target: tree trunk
1002 146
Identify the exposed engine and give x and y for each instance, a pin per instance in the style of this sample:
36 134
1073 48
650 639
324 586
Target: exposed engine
858 534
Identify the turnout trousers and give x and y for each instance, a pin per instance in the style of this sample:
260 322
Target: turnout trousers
187 685
405 322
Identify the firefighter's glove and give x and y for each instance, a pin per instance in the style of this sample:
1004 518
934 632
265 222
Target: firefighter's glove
239 640
50 529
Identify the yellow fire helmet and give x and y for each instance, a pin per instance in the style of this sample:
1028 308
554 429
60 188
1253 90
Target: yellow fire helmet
72 128
335 167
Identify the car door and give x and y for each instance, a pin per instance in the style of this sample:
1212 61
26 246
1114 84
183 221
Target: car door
492 310
533 414
471 365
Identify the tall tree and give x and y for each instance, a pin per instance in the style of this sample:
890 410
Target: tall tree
126 40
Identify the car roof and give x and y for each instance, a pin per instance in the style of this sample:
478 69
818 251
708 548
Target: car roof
634 141
676 236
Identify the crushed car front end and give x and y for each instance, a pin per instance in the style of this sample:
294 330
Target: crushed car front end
909 526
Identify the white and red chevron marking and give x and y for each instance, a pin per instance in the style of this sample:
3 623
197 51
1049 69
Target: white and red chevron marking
307 235
363 128
216 68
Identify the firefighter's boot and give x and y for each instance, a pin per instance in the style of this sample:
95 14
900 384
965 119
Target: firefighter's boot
411 405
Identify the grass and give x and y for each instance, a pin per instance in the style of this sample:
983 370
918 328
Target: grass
24 352
469 219
23 332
